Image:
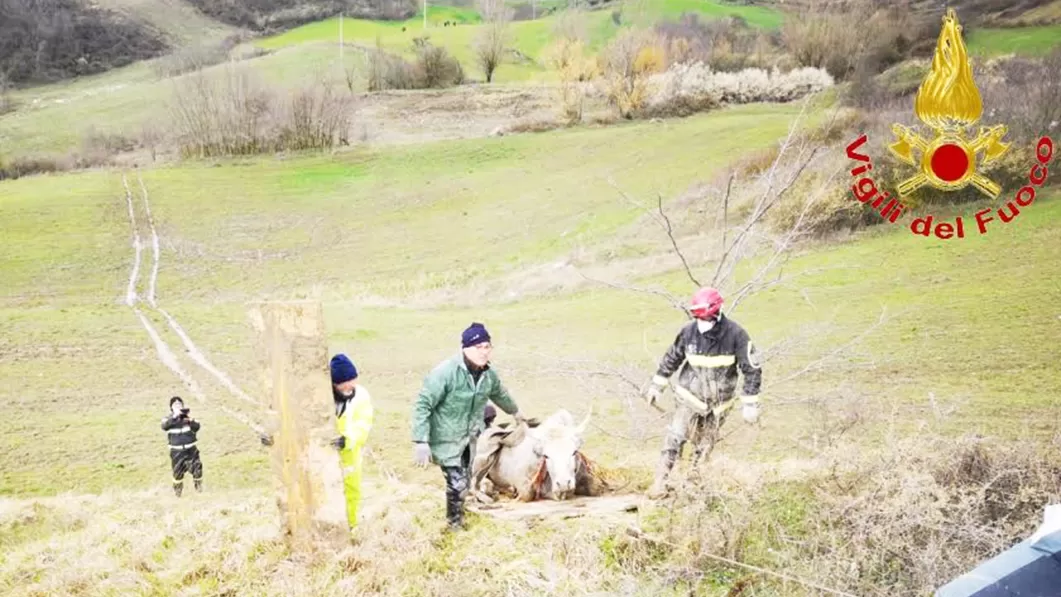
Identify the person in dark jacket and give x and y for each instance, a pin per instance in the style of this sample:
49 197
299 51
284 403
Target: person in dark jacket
183 453
707 354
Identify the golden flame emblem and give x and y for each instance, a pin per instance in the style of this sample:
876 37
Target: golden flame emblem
948 102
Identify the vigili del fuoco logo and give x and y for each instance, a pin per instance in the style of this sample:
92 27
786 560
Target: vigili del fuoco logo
948 102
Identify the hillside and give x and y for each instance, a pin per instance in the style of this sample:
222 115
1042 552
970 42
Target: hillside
43 42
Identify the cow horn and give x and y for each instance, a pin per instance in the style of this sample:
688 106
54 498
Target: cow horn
581 429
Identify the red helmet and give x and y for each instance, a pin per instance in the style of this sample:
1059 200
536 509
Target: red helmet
707 302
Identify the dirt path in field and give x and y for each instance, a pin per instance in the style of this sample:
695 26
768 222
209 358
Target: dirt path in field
390 488
165 354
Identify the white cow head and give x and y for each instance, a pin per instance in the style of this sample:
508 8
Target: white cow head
556 440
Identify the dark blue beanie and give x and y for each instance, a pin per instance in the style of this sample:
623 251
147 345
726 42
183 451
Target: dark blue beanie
342 369
475 334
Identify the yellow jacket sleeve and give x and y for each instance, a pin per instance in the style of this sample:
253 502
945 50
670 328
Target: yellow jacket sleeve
359 420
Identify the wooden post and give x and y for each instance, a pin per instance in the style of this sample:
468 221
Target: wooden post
293 355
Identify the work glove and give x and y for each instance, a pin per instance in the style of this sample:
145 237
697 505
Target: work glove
653 393
339 443
750 408
422 454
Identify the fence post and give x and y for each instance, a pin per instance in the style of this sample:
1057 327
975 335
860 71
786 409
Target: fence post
296 395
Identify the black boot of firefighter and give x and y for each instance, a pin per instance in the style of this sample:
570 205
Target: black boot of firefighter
178 488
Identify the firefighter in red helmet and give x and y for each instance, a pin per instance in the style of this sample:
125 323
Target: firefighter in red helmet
707 355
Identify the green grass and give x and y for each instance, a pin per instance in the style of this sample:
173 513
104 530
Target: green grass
529 37
1020 40
365 224
57 119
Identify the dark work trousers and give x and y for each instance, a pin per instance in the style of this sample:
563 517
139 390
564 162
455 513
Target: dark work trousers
184 461
457 480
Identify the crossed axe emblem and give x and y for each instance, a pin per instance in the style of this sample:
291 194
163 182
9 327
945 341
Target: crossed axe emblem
954 166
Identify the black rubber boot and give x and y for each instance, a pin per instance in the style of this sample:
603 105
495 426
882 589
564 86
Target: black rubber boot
456 489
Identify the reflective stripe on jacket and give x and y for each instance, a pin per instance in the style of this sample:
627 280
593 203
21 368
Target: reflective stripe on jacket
181 432
707 363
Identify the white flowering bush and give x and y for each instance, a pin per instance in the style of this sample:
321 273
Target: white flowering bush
687 88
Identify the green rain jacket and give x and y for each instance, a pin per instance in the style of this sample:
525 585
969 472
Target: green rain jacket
449 409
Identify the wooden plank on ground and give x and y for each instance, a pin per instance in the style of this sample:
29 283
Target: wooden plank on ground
573 508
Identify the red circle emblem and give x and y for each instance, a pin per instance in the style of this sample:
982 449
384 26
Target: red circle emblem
949 162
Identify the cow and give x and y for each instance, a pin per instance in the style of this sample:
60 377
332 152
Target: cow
534 462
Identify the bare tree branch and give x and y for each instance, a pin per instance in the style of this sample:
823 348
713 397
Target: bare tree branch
673 300
673 241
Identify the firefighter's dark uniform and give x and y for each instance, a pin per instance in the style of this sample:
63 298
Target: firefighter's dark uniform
707 364
183 453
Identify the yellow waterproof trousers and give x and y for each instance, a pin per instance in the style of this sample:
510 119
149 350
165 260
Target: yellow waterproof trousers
351 461
354 423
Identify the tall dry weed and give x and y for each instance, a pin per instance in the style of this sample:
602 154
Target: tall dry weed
626 64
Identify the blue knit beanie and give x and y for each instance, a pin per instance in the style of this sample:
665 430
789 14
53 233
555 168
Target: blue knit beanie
342 369
475 334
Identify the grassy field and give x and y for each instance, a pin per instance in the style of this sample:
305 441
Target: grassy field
90 388
1020 40
528 37
229 235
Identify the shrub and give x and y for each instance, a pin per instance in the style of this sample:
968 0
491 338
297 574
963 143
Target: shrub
46 164
568 58
901 520
627 62
315 117
1024 94
689 88
834 37
387 71
435 67
820 207
726 44
237 115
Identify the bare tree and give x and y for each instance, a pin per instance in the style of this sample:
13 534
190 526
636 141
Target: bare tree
492 39
740 239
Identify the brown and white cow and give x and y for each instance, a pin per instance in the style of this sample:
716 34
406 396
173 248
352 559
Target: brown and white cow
540 462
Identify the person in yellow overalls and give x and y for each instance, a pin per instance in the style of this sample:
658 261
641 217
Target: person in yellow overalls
353 421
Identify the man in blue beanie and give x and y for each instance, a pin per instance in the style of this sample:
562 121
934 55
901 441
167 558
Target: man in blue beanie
448 415
353 420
